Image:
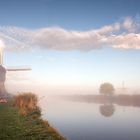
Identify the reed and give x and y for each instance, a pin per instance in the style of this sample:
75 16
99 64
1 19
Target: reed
27 104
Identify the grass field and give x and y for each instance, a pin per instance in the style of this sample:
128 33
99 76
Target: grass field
15 126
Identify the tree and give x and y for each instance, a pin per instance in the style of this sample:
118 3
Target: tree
107 89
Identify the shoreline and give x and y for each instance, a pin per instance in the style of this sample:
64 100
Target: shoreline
15 126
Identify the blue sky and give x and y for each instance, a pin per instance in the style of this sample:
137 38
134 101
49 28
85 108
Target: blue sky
71 66
73 14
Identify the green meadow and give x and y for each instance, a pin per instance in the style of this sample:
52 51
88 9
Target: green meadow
16 125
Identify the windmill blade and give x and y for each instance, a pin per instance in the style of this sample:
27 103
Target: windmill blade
18 69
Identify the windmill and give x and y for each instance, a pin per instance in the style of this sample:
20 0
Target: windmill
123 88
3 71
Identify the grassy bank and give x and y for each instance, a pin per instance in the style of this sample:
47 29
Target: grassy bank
16 124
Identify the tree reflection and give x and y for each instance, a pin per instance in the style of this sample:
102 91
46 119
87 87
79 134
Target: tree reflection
107 110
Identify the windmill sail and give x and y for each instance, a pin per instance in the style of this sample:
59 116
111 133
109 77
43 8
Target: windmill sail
3 72
14 68
18 69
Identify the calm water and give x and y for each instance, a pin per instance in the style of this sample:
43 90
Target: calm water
89 121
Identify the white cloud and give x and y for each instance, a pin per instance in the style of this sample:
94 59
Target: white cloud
129 24
125 41
123 35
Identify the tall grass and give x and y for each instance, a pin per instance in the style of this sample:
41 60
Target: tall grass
30 125
27 104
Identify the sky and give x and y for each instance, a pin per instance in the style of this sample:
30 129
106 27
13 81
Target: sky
71 44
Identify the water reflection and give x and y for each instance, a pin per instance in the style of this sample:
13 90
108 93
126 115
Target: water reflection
107 110
87 118
106 103
121 100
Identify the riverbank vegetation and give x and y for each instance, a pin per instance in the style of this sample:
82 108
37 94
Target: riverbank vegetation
121 99
20 119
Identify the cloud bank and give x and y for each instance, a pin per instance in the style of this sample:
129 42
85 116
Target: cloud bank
120 35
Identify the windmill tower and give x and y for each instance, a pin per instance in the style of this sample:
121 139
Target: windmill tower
1 57
123 89
123 85
3 71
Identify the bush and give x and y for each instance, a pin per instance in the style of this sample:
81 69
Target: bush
27 104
